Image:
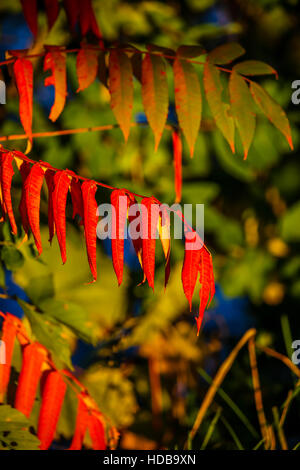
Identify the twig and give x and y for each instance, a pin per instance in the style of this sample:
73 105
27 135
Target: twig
257 392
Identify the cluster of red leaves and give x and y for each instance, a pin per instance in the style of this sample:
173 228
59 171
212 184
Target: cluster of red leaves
38 368
152 217
78 13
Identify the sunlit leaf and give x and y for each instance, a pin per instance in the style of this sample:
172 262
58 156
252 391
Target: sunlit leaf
242 109
188 100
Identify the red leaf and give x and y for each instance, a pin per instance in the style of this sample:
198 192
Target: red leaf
9 331
120 202
137 242
150 215
177 156
82 420
52 400
97 432
59 197
86 66
24 170
23 72
49 176
33 357
52 10
90 220
32 189
190 266
207 284
72 10
76 197
30 13
6 174
87 19
55 60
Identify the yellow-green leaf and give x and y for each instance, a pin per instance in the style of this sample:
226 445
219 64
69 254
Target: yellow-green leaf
254 67
272 110
188 100
242 109
155 94
226 53
219 109
121 89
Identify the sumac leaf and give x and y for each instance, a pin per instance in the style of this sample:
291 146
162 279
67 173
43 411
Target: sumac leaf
82 421
226 53
76 196
220 110
52 10
32 190
97 432
6 174
86 66
242 109
150 215
33 358
207 289
24 171
49 177
188 100
272 110
23 72
30 12
55 61
119 202
254 67
190 268
90 220
155 94
59 199
52 400
121 89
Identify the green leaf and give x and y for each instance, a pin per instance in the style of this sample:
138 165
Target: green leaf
272 110
49 333
289 224
40 288
188 100
155 94
12 257
242 109
220 110
14 431
226 53
190 51
121 89
71 315
254 67
113 392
